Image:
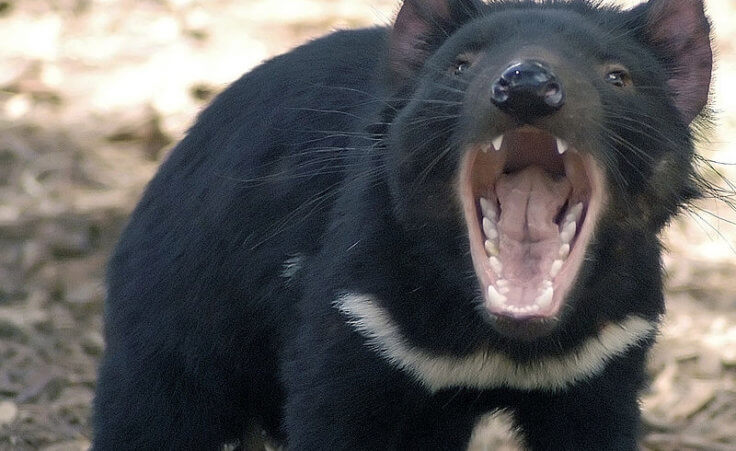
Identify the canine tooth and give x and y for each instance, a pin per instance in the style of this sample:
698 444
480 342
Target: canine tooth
498 142
496 265
545 299
496 298
562 146
488 208
491 248
556 267
568 232
564 251
489 229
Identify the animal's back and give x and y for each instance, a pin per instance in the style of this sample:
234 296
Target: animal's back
198 276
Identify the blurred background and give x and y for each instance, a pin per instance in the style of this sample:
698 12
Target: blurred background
93 93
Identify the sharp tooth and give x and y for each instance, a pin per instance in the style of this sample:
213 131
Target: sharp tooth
488 208
547 284
556 267
489 229
545 299
496 298
564 251
562 146
568 232
496 265
498 142
485 148
491 248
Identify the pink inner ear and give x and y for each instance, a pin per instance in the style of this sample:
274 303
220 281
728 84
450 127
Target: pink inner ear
416 19
681 28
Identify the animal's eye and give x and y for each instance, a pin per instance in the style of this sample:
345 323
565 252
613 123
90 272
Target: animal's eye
461 66
619 78
463 62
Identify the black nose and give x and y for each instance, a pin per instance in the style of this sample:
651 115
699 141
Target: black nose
528 90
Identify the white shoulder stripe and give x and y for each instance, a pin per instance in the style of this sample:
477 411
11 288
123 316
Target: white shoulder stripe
486 368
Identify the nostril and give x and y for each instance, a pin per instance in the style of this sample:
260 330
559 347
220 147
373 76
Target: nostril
554 95
552 88
500 93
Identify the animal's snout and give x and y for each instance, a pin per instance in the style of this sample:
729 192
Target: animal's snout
528 90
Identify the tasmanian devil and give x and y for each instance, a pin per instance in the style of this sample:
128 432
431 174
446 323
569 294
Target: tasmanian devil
375 239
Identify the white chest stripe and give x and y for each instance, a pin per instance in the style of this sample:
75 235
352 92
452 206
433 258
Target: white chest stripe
486 368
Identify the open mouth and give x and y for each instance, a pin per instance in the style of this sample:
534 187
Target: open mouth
531 203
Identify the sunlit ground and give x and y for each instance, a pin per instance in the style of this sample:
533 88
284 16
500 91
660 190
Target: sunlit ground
94 92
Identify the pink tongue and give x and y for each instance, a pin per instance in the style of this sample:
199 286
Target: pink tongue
530 201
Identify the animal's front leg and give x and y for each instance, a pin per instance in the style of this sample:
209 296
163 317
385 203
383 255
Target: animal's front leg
340 395
599 414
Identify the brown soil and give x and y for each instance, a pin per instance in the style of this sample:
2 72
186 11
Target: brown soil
93 93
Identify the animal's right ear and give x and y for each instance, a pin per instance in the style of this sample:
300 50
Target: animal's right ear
418 26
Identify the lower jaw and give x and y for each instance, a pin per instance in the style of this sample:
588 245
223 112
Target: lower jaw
525 317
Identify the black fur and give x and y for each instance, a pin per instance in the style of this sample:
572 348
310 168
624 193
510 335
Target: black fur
342 155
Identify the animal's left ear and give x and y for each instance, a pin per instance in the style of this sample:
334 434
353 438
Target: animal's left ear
680 30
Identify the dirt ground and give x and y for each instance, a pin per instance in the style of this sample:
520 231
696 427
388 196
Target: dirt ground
94 92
